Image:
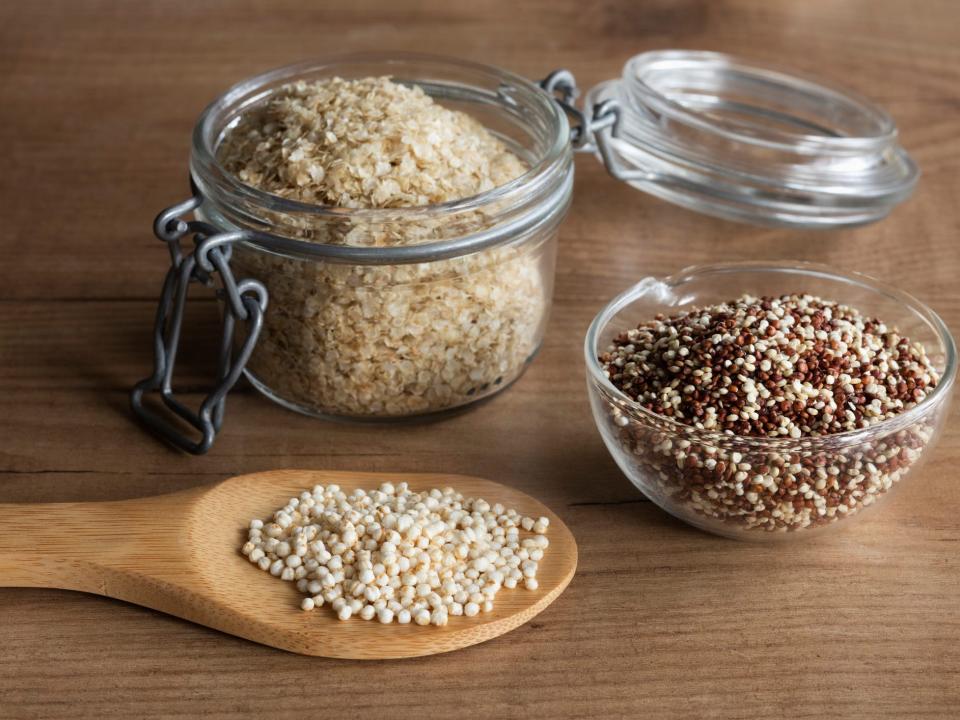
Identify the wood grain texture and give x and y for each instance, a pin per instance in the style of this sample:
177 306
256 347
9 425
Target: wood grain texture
661 621
178 553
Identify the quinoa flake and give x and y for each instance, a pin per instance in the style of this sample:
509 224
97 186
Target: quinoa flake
385 340
367 143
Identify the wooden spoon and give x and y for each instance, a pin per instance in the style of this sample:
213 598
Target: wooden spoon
179 554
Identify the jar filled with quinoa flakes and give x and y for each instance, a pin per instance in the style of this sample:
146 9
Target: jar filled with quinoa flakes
382 231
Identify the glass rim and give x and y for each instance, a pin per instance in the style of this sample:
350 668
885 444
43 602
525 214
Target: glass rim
715 438
205 134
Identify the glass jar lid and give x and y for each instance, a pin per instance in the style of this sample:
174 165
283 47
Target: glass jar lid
728 138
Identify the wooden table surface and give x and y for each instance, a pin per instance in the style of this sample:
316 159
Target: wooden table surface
98 100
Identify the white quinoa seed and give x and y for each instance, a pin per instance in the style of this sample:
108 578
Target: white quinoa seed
420 557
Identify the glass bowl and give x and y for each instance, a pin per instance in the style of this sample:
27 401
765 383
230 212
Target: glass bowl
755 488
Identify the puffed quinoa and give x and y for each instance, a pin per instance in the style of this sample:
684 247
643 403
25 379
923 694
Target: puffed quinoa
364 578
383 340
789 368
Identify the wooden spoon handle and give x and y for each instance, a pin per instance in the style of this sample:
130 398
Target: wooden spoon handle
49 545
76 546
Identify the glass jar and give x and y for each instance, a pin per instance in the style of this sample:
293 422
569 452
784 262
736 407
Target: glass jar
382 313
386 313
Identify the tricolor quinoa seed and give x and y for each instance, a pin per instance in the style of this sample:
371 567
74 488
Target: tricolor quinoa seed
794 368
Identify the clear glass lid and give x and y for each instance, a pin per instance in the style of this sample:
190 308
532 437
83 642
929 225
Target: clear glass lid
721 136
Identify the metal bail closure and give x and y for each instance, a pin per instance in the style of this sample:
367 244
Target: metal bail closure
244 301
562 86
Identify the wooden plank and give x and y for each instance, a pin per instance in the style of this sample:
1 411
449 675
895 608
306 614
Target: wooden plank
661 620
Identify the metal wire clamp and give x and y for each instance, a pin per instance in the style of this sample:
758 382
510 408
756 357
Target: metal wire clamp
593 133
562 86
244 301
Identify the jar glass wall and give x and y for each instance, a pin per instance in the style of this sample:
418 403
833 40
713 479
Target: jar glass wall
396 312
396 340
